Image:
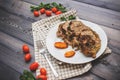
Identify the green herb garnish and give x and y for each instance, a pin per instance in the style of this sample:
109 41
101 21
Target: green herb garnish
49 6
54 4
71 17
63 19
27 76
61 8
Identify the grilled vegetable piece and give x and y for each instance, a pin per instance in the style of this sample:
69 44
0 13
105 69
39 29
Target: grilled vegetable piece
69 54
61 45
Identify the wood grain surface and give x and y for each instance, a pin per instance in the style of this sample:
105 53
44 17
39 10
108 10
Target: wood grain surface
15 30
109 4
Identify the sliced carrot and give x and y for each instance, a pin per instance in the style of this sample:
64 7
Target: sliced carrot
69 54
61 45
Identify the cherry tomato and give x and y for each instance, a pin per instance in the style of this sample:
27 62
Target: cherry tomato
36 13
27 57
54 9
34 66
25 48
58 12
43 77
43 71
42 11
48 13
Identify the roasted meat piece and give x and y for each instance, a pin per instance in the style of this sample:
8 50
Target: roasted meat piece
80 37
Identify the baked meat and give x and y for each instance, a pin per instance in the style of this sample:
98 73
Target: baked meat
80 37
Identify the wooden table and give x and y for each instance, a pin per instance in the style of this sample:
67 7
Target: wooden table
15 30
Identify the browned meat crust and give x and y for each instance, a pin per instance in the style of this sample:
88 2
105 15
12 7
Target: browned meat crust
80 37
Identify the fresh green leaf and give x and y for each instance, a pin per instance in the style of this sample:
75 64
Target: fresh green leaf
54 4
61 8
27 76
71 17
47 6
60 5
22 77
39 79
25 72
30 78
63 19
41 5
37 8
32 8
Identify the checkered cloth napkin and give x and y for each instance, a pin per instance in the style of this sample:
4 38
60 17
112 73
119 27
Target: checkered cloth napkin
64 70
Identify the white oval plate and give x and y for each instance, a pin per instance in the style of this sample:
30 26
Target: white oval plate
78 58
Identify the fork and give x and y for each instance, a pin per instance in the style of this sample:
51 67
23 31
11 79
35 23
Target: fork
42 50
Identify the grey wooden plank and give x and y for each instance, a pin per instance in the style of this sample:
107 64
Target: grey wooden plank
11 53
14 44
17 33
109 4
113 61
20 8
111 33
86 76
114 45
107 30
14 48
85 11
89 12
7 58
9 50
15 21
108 68
16 27
7 73
25 24
113 39
8 41
12 30
98 15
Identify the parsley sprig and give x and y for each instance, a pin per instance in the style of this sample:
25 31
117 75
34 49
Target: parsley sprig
71 17
27 76
48 6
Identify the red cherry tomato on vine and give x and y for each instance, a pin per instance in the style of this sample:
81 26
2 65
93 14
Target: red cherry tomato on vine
36 13
58 12
42 11
48 13
54 9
